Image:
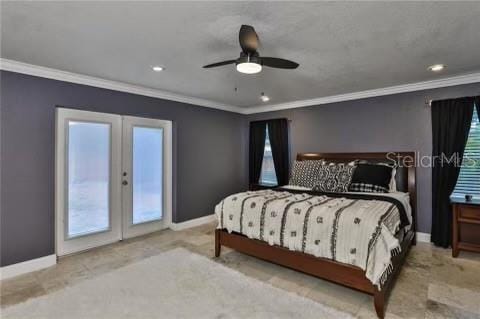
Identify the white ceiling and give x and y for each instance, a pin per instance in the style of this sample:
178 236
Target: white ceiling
341 47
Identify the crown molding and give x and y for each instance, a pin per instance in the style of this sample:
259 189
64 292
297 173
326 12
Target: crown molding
55 74
404 88
49 73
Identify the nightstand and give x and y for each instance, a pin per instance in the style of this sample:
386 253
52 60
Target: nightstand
466 226
257 187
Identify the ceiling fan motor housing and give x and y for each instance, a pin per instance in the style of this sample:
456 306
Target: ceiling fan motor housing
249 58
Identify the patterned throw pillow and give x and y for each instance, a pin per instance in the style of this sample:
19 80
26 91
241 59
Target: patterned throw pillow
305 173
334 177
367 188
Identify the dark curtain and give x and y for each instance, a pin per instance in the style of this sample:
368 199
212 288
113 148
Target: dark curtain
278 134
257 145
477 103
451 121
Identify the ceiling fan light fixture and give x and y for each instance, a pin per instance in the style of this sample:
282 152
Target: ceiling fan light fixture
250 61
249 67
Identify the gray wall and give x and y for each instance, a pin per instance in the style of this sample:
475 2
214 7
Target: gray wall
209 161
398 122
210 147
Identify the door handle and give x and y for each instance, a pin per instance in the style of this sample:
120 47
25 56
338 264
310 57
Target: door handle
124 183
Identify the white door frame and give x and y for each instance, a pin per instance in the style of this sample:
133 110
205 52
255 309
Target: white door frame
120 224
65 245
129 229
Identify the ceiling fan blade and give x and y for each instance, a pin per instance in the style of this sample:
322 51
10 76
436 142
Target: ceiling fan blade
279 63
248 38
218 64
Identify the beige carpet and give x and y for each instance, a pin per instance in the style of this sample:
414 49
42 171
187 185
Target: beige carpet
175 284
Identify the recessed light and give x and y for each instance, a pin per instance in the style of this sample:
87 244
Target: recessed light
158 68
436 67
264 98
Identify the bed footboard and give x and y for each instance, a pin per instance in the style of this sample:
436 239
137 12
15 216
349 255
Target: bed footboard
344 274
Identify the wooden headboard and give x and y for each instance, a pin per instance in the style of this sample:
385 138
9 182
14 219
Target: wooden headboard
406 172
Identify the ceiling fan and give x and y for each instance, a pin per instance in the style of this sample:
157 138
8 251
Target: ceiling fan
250 62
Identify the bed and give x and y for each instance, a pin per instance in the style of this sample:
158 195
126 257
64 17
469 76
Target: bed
354 239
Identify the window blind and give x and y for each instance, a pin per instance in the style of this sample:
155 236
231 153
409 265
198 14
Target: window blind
469 178
268 175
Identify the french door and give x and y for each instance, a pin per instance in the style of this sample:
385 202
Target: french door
113 178
145 195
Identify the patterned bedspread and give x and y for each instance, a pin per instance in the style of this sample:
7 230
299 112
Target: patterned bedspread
359 232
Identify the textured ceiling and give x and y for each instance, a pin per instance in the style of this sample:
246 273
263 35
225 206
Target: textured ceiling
341 47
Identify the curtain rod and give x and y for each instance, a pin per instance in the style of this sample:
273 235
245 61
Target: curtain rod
281 118
429 102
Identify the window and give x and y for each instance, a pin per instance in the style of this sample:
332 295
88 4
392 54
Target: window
267 175
469 178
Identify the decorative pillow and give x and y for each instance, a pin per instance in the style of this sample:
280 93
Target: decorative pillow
305 173
393 181
334 177
371 178
366 188
392 187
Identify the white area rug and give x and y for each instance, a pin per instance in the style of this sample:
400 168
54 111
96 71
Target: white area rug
175 284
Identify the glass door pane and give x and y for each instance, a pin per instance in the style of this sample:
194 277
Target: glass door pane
147 174
88 178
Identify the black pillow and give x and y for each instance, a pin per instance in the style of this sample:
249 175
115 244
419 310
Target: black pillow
371 178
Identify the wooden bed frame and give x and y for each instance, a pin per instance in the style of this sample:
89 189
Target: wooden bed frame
344 274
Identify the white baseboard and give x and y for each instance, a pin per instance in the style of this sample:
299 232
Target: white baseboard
193 222
27 266
14 270
423 237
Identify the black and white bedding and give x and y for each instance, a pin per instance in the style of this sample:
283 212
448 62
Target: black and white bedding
353 228
355 176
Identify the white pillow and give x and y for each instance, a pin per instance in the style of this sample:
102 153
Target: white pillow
393 181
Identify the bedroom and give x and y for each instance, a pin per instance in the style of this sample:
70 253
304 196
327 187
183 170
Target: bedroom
121 155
